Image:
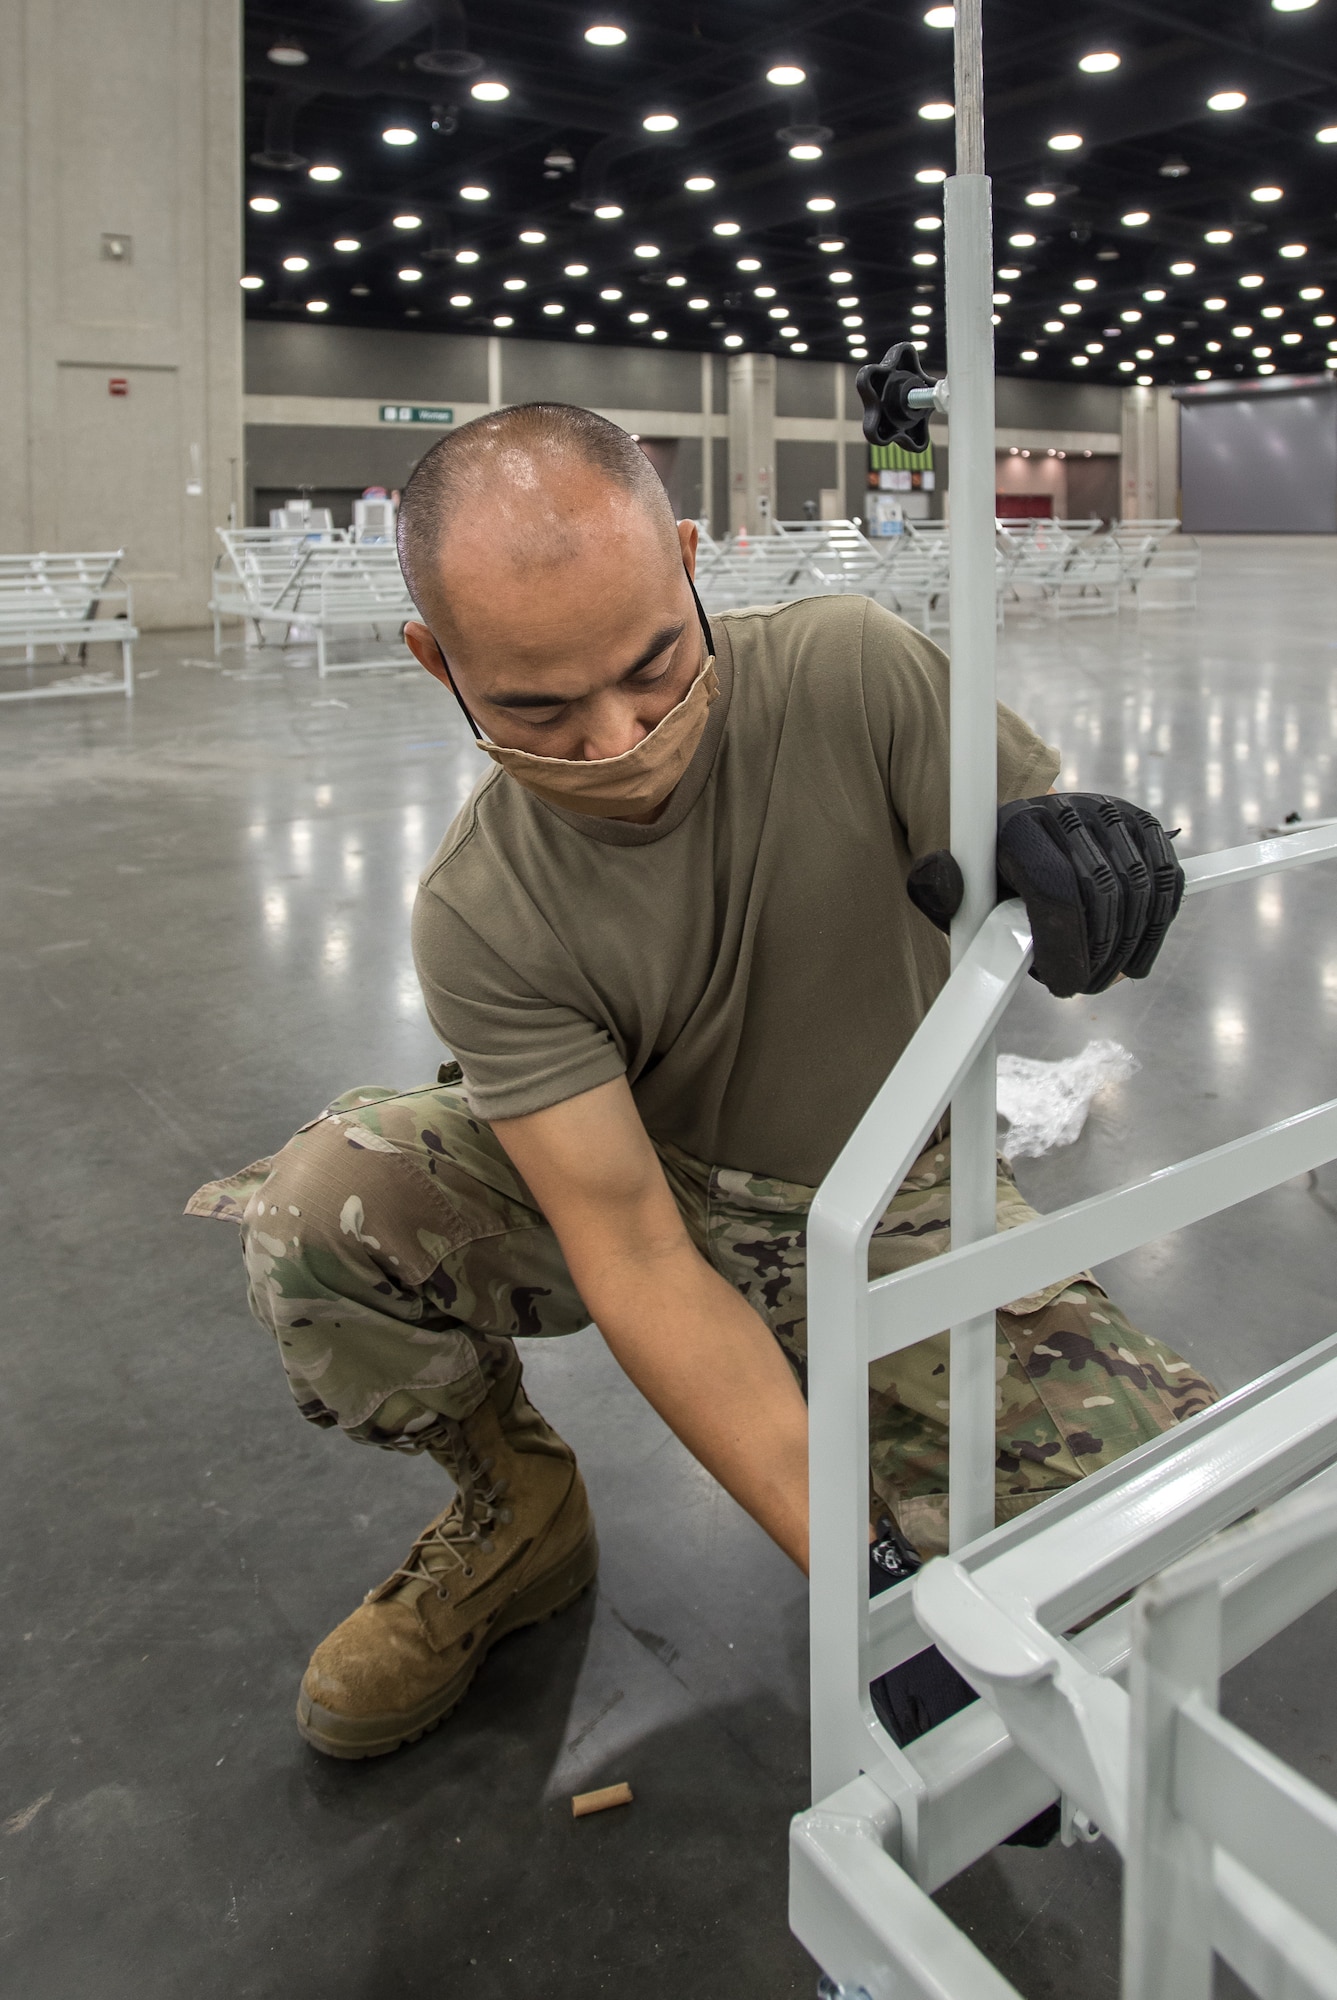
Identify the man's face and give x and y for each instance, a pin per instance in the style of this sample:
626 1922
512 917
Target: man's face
578 657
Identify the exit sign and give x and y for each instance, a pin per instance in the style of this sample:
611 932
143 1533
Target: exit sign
416 413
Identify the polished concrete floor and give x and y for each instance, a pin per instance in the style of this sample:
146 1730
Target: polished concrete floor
206 900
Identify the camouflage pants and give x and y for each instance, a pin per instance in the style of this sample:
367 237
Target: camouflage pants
391 1244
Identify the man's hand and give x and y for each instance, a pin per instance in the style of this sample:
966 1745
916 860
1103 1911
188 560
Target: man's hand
1099 879
693 1347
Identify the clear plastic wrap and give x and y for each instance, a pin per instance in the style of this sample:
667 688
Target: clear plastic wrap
1045 1103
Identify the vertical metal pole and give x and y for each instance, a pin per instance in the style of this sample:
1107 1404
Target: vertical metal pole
974 754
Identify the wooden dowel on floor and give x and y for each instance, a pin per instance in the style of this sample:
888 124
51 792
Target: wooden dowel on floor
600 1801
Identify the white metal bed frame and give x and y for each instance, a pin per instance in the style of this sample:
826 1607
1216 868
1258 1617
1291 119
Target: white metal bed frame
1226 1849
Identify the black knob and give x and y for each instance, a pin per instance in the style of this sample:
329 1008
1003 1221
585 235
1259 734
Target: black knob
883 386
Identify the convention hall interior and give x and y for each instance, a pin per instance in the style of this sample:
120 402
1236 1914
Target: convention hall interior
275 922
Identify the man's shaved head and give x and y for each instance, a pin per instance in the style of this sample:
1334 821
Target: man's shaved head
535 481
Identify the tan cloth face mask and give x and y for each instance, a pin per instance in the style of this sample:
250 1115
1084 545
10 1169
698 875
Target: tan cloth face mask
619 787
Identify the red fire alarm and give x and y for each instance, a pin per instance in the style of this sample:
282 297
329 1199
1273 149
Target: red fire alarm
117 385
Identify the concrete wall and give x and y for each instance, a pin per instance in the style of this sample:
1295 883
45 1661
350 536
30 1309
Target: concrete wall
121 122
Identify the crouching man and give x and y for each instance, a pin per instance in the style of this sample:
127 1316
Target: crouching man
669 943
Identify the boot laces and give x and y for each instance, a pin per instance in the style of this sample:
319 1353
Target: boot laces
464 1530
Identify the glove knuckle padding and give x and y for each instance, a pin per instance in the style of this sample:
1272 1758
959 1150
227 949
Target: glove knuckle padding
1100 883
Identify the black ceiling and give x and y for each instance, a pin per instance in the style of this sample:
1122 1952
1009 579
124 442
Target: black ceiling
569 137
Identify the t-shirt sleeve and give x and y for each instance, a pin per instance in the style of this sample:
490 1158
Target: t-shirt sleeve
905 684
519 1052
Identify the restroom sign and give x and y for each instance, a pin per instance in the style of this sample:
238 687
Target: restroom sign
118 385
416 413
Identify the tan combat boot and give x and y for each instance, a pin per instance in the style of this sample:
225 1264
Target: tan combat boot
516 1545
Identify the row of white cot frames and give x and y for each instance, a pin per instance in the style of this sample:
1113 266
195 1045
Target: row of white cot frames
53 600
289 582
1108 1704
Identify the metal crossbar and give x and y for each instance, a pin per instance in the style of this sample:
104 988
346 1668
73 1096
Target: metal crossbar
285 580
53 599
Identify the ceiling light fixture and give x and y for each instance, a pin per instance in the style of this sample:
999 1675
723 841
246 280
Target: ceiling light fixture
323 171
553 308
840 277
1069 307
1274 312
584 326
1023 240
399 135
263 204
410 274
659 334
1053 326
676 282
1079 361
1265 194
1251 281
407 221
646 250
1064 142
786 75
698 184
503 319
514 284
749 263
638 318
1028 354
924 258
937 110
460 300
1099 62
1227 100
297 263
1293 250
1135 218
610 292
1214 305
1219 236
603 35
928 222
820 204
931 176
250 283
805 151
288 54
533 236
660 121
1311 292
317 305
726 228
347 244
733 340
1328 136
1002 298
698 305
1182 270
472 191
1041 198
490 92
608 211
1131 317
1154 296
940 17
466 256
764 292
576 270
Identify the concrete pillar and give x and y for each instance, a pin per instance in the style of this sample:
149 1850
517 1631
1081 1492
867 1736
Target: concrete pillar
751 442
1150 455
121 316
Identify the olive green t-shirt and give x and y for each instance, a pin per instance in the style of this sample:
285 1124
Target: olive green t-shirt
751 961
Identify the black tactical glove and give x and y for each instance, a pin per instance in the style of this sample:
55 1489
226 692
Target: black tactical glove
1098 877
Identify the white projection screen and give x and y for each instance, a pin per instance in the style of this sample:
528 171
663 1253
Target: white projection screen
1260 463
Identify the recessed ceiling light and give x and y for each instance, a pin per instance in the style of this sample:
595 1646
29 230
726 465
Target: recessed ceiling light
347 244
407 221
399 135
782 312
1323 319
1011 271
937 110
749 264
660 121
533 236
820 204
460 299
361 291
726 228
1214 305
676 282
1126 367
1002 298
1202 374
297 263
514 284
1311 292
250 283
786 75
410 274
1079 361
698 184
576 270
610 292
1227 100
1219 236
798 347
1135 218
638 318
1328 136
848 302
698 305
1251 281
646 250
1095 347
473 192
1182 270
584 326
764 292
1099 61
1291 339
1053 326
1241 332
605 36
1131 316
1028 354
924 258
733 340
490 92
1023 240
659 334
1041 198
928 222
1064 142
1143 381
789 333
940 17
1265 194
829 245
852 319
1273 312
1292 6
931 176
503 319
325 172
553 308
288 54
840 277
805 151
466 256
1154 296
1292 250
608 211
317 305
263 204
1165 340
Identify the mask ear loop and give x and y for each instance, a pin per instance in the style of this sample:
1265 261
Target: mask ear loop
705 622
450 683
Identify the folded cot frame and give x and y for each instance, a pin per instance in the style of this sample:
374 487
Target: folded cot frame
1226 1849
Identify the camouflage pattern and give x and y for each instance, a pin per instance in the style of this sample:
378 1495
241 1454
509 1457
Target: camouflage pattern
392 1249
